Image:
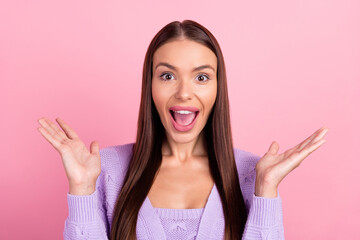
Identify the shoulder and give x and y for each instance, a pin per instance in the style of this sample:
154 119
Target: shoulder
245 161
115 159
245 164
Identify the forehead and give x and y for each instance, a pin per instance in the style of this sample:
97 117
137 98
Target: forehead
184 55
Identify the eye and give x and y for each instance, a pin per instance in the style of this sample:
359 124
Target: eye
205 76
165 74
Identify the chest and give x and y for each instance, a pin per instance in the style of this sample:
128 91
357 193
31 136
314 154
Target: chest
184 187
167 223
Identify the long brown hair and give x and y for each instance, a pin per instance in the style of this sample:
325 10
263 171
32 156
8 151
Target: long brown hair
147 155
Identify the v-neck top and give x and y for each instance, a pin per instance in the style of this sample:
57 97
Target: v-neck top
213 208
90 216
179 224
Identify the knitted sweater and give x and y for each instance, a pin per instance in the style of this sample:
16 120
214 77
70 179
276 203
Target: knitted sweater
90 216
180 223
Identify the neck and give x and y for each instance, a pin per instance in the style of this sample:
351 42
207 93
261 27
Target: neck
182 152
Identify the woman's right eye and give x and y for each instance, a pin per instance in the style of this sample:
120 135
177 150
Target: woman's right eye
166 78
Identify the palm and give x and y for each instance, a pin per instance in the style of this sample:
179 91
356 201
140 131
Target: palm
82 167
273 167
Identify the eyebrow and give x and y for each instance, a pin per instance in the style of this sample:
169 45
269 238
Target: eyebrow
195 69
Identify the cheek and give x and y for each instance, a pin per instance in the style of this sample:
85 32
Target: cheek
159 96
209 96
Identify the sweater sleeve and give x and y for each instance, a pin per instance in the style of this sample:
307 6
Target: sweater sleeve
265 216
265 220
87 215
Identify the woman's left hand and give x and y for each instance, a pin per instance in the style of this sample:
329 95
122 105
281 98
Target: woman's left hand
273 167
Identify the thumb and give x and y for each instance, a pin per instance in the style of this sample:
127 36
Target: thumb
94 148
274 148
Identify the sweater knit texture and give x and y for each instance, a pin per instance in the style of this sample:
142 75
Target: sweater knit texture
180 223
90 216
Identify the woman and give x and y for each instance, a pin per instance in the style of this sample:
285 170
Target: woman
182 178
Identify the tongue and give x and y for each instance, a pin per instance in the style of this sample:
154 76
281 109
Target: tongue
184 119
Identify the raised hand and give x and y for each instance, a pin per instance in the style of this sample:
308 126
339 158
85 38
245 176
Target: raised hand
273 167
81 166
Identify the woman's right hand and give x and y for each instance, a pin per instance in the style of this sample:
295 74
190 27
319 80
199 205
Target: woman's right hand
81 166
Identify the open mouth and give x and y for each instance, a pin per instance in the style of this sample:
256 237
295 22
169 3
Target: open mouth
183 117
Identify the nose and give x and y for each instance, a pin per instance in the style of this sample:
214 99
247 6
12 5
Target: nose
184 90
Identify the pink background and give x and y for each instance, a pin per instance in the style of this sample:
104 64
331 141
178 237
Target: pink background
292 67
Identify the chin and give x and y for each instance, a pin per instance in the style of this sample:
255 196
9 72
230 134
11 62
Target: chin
183 137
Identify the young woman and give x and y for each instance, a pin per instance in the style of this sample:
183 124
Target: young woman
182 178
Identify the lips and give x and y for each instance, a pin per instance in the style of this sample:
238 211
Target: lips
181 126
187 108
183 108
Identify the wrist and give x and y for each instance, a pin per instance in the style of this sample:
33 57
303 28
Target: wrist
266 191
81 189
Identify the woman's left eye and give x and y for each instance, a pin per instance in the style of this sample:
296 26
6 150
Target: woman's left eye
205 76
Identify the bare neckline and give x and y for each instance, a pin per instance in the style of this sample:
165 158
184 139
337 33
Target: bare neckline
184 209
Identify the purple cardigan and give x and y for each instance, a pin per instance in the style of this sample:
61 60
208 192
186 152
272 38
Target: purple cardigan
90 216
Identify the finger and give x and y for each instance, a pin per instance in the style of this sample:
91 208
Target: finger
314 137
57 129
313 147
45 123
53 141
274 148
67 129
296 158
320 135
304 143
293 159
94 148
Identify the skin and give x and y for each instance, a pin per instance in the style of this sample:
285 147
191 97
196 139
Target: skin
183 180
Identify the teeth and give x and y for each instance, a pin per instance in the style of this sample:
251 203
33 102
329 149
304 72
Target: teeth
183 112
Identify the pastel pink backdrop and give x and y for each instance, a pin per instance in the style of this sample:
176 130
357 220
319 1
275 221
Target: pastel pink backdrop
292 67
